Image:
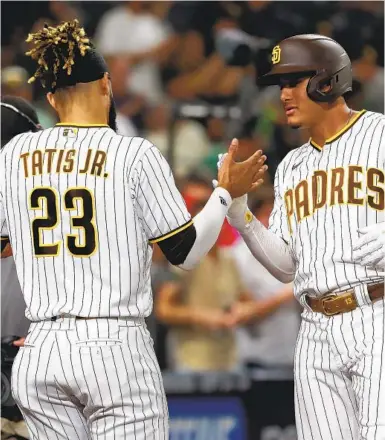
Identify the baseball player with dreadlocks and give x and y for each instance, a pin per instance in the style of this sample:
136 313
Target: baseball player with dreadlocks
81 207
327 233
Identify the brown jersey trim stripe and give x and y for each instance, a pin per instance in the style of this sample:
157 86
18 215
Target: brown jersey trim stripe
171 233
69 124
339 133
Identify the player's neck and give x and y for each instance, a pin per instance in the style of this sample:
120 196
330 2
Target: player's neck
84 116
333 121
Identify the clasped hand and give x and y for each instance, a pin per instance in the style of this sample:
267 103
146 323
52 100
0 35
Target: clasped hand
239 178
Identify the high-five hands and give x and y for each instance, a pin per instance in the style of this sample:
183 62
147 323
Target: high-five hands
239 178
238 214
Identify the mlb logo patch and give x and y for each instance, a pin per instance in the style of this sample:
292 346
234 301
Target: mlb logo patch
70 132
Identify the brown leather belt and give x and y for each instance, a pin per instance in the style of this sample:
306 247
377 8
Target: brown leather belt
55 318
334 303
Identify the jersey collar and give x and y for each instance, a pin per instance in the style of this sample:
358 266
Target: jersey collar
69 124
340 133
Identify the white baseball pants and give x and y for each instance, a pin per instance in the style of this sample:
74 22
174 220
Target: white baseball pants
90 379
340 375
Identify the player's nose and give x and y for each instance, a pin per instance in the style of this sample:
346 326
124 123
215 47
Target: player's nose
286 94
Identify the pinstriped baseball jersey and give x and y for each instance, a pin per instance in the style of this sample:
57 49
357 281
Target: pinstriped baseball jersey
323 195
81 205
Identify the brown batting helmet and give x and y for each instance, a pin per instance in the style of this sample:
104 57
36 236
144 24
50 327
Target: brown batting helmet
317 56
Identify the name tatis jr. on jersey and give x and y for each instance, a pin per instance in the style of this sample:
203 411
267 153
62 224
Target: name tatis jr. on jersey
352 185
53 160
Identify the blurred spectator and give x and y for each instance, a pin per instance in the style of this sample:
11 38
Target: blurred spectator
197 307
269 339
249 141
202 307
215 128
196 71
161 274
67 11
190 75
191 145
355 99
364 18
371 76
16 25
14 81
130 106
273 20
131 29
195 188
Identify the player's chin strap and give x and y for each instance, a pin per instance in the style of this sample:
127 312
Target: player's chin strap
23 115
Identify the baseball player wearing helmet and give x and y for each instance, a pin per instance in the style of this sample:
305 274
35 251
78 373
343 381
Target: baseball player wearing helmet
327 233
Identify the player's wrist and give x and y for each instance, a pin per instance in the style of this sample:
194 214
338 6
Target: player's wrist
238 207
239 215
224 195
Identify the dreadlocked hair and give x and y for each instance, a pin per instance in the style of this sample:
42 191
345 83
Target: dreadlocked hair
55 50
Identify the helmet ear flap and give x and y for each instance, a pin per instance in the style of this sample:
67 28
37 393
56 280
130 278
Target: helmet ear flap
340 83
315 85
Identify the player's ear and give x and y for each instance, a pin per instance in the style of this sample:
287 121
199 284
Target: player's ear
105 84
51 100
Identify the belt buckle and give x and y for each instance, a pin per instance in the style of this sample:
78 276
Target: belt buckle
327 299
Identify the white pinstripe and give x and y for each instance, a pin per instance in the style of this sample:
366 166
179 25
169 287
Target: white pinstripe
138 201
97 378
90 379
340 360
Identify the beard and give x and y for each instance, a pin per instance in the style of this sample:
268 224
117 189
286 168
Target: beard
112 114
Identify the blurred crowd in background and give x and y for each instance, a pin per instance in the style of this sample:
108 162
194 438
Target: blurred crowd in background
229 312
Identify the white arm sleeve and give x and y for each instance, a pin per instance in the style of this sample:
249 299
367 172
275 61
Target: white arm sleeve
270 250
269 246
208 224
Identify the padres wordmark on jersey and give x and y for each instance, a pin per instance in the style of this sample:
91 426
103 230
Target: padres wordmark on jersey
323 195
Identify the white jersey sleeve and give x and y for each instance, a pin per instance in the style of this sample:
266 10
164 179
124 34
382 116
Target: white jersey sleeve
3 222
161 207
278 218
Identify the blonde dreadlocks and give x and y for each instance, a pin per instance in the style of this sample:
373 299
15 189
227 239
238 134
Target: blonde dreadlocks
56 49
